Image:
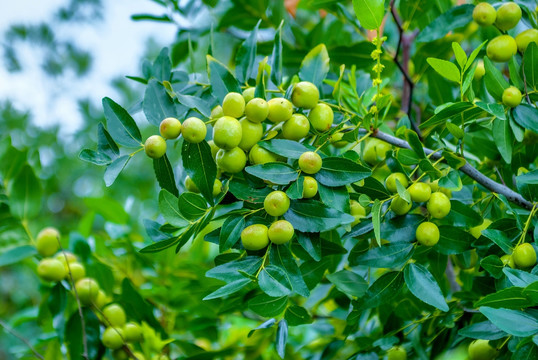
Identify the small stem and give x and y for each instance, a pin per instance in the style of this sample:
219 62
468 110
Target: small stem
527 224
18 336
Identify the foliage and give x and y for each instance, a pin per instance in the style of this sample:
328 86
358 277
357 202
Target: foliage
354 281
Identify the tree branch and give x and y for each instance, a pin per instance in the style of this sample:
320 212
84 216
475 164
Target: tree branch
18 336
467 169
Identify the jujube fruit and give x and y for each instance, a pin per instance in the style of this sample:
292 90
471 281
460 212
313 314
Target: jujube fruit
484 14
501 48
214 148
248 94
508 15
476 231
112 338
524 38
305 95
216 113
115 315
132 332
336 140
296 128
375 151
310 187
276 203
511 96
310 162
321 117
233 105
231 161
255 237
480 70
217 187
51 270
259 155
48 241
399 206
101 299
438 205
252 133
481 350
420 192
280 232
396 353
257 110
155 147
524 255
508 260
66 257
190 185
170 128
87 290
357 211
77 271
194 130
227 132
280 110
427 233
390 183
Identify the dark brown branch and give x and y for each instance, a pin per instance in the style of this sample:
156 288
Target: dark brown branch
467 169
18 336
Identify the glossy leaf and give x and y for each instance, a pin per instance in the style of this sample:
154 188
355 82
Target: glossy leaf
25 194
275 172
165 174
314 216
494 80
422 284
315 65
341 171
387 256
445 68
349 282
200 167
513 322
369 12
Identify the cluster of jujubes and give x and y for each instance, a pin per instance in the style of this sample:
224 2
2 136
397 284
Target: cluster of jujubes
503 47
119 335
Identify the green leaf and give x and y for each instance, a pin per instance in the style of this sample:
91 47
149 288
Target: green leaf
386 256
314 216
73 331
315 65
530 65
452 19
531 292
136 307
244 191
94 157
369 12
515 71
165 174
494 80
513 322
282 257
200 167
268 306
527 185
335 197
113 170
246 55
168 206
192 206
274 282
503 138
194 102
499 238
230 232
510 298
459 53
222 80
383 289
121 125
455 130
526 115
162 66
266 325
109 208
295 191
493 265
276 57
286 148
453 240
454 110
414 141
310 243
25 194
422 284
519 278
275 172
474 54
297 315
445 68
462 215
105 144
281 338
373 188
230 271
348 282
228 289
482 330
407 156
337 171
402 192
262 79
17 254
376 220
158 105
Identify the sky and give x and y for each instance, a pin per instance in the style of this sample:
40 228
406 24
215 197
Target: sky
117 45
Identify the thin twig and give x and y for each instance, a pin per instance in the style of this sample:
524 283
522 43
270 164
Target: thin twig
467 169
525 79
18 336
